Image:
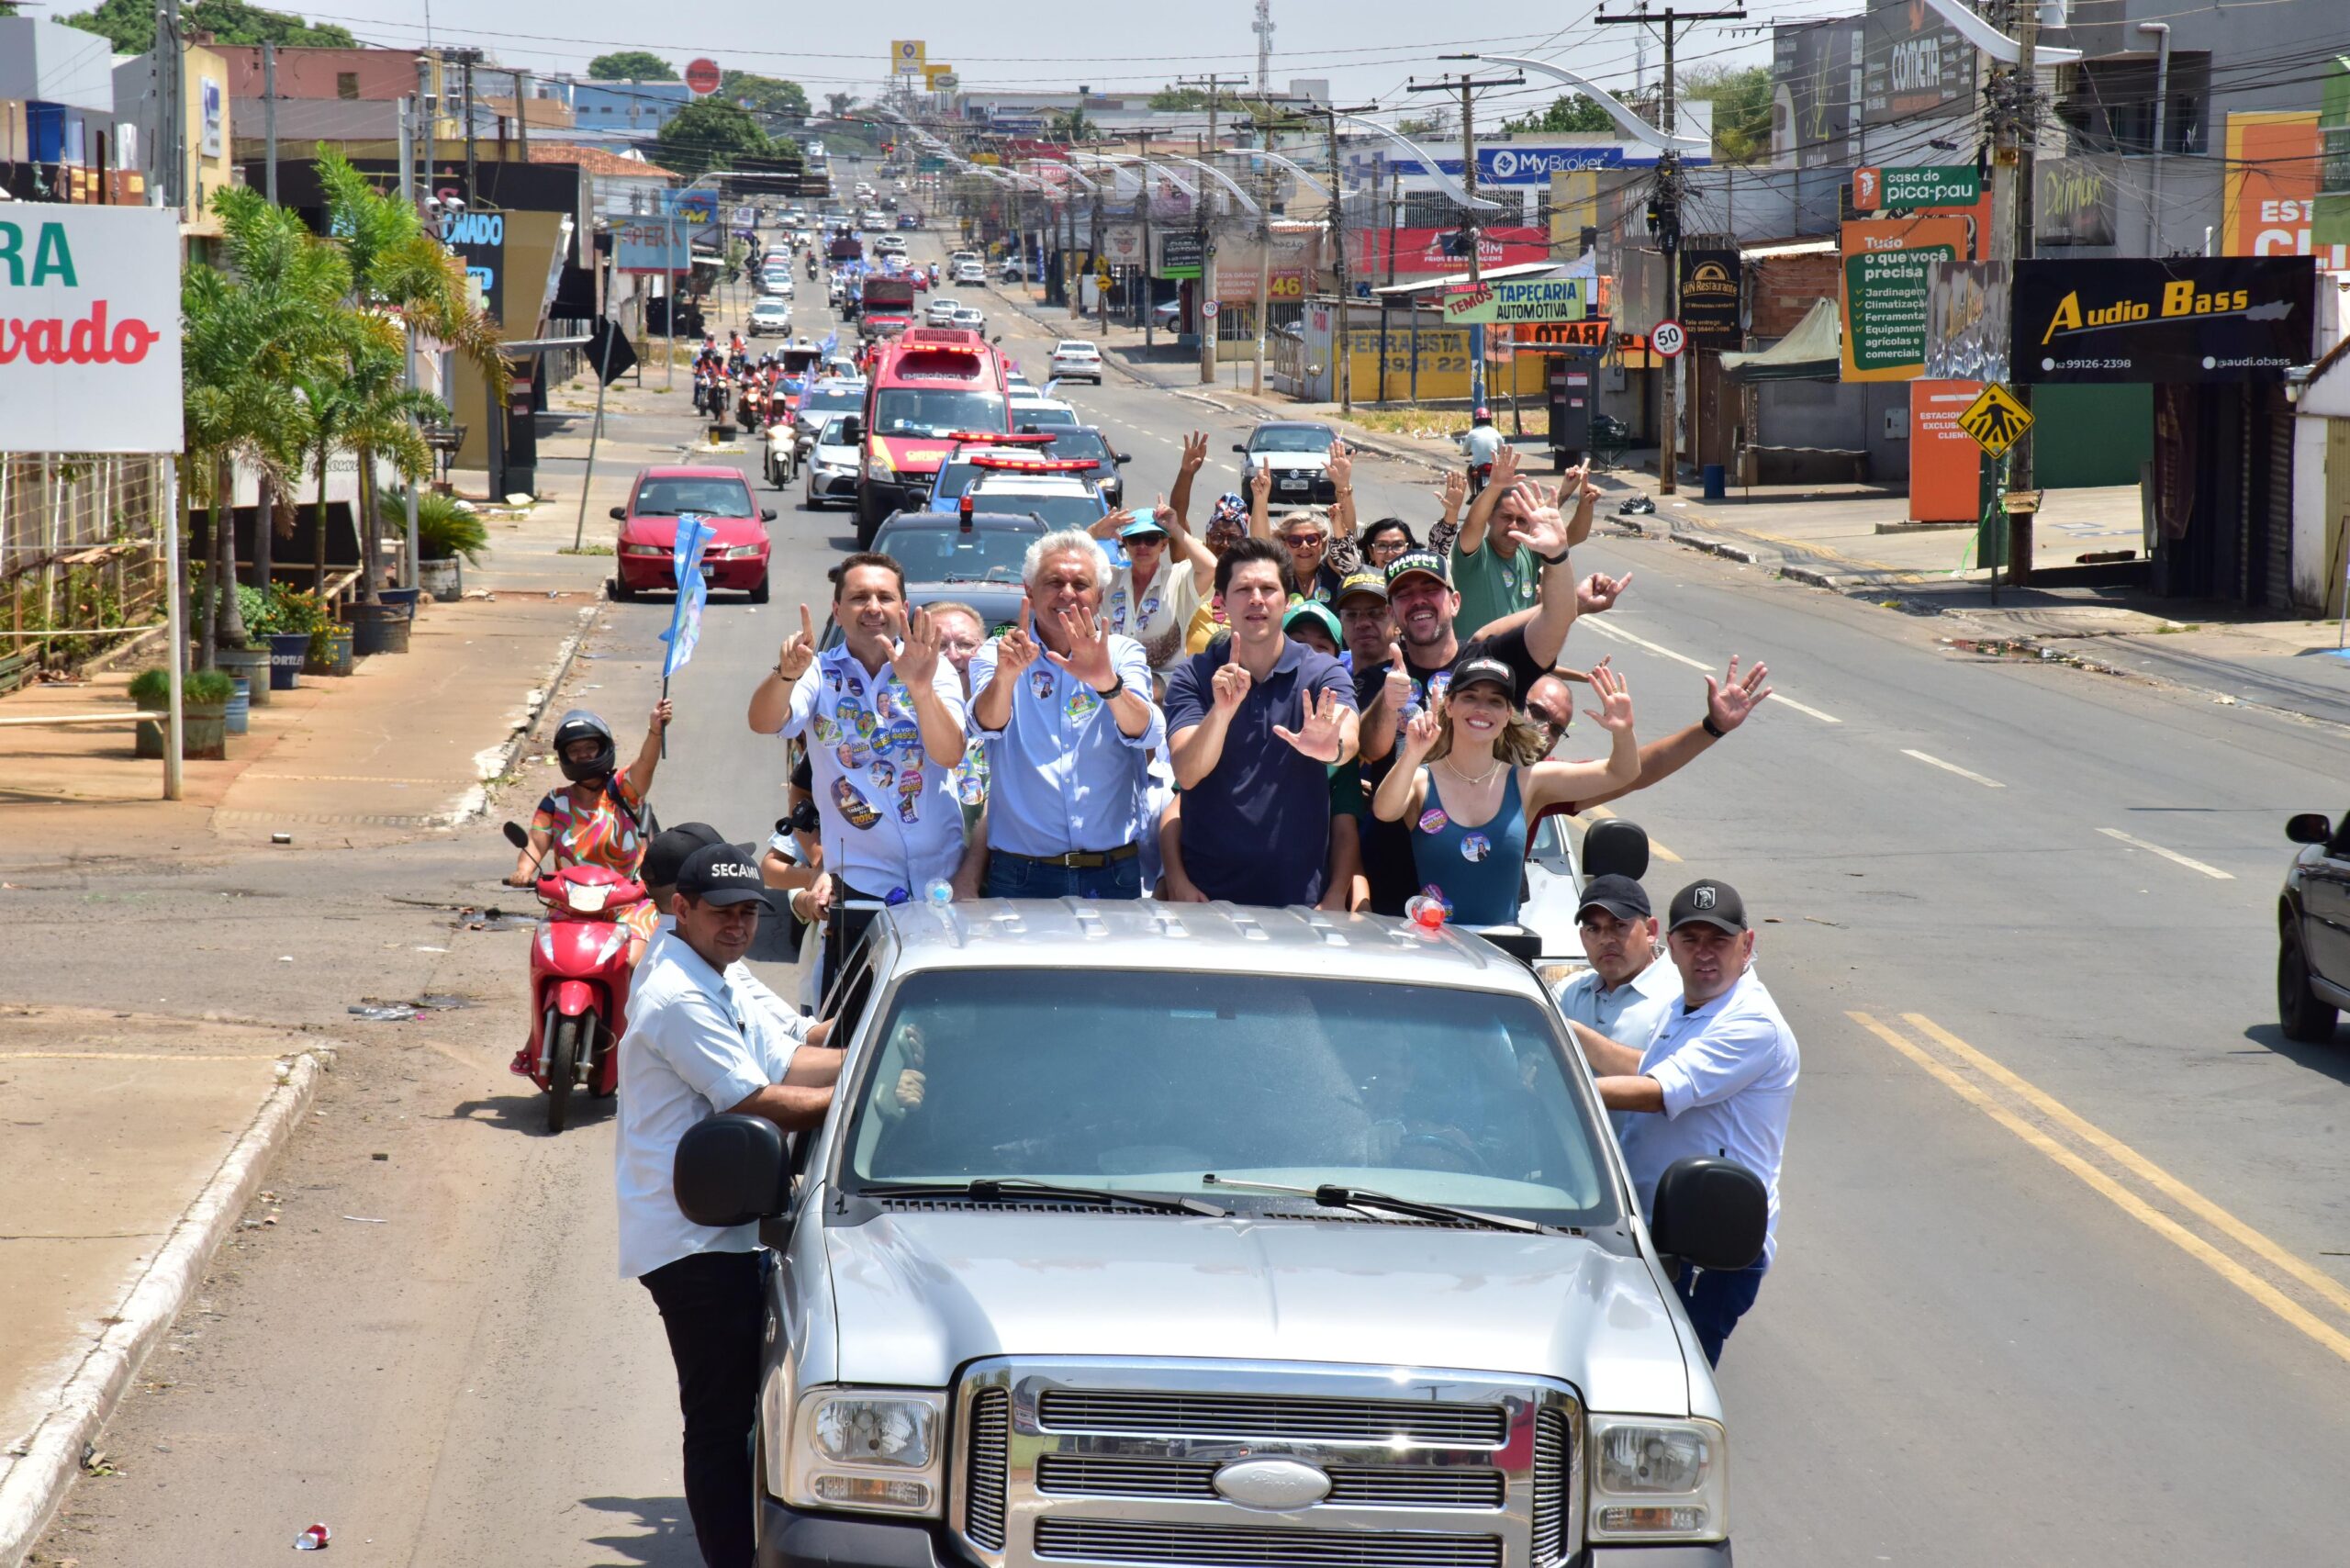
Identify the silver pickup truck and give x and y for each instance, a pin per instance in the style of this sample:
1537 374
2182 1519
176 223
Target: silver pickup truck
1194 1236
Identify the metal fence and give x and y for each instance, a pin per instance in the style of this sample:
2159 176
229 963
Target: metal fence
79 563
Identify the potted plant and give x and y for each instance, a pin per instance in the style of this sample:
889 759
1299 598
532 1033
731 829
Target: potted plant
252 661
294 617
330 649
449 532
204 712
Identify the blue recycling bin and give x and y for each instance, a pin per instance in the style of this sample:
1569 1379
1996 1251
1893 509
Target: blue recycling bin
1716 482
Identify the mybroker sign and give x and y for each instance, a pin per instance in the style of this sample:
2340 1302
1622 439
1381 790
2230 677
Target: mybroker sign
89 329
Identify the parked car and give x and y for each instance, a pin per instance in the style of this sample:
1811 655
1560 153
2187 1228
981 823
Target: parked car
644 553
2314 929
1214 1237
1075 359
1298 453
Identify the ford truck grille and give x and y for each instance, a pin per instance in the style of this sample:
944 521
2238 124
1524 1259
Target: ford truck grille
1162 1463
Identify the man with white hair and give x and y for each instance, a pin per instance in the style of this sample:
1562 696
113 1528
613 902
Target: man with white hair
1063 707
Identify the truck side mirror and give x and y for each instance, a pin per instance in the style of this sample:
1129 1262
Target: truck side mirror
1713 1213
731 1171
2308 827
852 431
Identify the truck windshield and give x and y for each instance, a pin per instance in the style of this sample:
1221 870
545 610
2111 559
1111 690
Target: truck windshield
1149 1081
903 410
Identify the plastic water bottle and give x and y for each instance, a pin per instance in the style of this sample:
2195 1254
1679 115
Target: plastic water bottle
1426 912
939 892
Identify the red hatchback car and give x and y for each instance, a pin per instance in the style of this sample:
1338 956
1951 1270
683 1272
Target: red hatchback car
736 556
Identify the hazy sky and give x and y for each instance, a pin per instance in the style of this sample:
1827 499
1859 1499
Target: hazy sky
1366 48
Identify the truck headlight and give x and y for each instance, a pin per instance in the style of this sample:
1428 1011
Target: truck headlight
871 1450
1657 1480
880 467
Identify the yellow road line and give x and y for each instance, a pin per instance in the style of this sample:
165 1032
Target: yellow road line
1659 850
2129 1202
2146 1169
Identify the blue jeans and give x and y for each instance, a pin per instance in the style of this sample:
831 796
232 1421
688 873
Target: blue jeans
1012 877
1716 1299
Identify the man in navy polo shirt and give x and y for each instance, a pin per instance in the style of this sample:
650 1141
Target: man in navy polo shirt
1254 725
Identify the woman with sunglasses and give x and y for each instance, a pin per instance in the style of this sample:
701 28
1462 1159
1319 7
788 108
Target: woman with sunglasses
1470 780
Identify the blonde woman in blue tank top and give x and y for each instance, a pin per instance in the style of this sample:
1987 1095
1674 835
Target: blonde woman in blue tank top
1470 776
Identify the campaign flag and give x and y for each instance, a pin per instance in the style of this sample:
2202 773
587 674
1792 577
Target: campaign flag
832 340
685 620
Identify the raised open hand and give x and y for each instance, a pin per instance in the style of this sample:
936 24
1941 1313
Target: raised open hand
1728 702
1088 658
1232 681
916 659
1456 491
1599 592
1319 738
1015 650
799 650
1342 465
1540 530
1615 711
1505 466
1107 527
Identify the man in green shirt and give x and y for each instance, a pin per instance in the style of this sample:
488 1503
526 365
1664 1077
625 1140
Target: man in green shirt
1492 575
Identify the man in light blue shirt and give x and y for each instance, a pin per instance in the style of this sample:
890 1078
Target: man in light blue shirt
1066 717
1626 992
1718 1081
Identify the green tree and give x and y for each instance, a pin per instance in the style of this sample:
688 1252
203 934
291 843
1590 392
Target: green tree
1741 101
631 65
129 25
839 104
767 96
1071 126
711 134
1180 98
1567 113
403 280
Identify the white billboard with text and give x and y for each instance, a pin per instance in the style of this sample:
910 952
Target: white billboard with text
89 329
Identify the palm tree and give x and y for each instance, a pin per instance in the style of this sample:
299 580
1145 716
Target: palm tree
251 334
401 274
365 407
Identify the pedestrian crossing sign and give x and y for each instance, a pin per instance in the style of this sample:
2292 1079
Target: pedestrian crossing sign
1996 419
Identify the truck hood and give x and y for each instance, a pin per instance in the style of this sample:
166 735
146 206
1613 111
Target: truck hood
917 1296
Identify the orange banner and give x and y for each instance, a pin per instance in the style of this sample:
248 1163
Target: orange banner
2271 193
1945 466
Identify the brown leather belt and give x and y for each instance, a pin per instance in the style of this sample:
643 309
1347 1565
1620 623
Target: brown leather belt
1079 859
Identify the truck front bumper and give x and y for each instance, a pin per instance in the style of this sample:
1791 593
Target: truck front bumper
789 1538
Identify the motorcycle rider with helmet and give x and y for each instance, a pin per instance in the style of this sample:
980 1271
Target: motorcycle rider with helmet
1481 441
599 818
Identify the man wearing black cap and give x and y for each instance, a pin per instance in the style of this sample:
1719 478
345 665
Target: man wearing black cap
1625 992
1718 1081
701 1039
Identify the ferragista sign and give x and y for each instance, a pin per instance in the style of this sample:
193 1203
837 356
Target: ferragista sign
89 329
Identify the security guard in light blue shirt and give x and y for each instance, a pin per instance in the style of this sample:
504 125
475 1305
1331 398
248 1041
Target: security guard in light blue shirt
1718 1081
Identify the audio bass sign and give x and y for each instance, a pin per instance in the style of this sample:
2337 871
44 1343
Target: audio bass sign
2190 319
89 329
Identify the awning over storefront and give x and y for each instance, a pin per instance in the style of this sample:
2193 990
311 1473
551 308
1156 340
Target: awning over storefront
1807 354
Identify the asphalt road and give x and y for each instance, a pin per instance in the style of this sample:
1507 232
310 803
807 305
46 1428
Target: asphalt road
2062 1276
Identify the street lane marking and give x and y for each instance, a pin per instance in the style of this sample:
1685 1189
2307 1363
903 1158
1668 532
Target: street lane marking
1659 850
2211 872
1605 630
1954 767
2129 1202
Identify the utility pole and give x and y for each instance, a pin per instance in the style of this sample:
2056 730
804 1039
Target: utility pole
2019 119
1142 163
1343 371
1264 229
467 58
428 110
1466 84
1215 86
1664 220
269 114
411 115
521 116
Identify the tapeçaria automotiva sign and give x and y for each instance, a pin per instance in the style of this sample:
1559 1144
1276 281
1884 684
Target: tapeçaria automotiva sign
2191 319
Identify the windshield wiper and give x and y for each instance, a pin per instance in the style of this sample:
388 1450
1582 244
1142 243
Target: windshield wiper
1330 1195
993 1189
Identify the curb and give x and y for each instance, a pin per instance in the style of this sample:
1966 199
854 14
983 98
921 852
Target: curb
496 762
35 1486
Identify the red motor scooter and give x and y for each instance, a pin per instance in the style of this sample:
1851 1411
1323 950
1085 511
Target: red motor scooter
579 980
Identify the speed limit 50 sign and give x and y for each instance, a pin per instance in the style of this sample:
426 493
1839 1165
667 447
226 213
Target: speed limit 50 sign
1668 339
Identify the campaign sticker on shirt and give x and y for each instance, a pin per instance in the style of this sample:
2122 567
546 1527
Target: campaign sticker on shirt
910 784
903 736
852 755
1433 820
1040 681
856 686
882 774
827 733
853 806
1083 700
1117 607
1476 847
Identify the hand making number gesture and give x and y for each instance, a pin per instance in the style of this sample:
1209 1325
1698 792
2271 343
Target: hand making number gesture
1729 702
1614 710
799 650
1195 453
1319 739
1016 649
1232 681
916 659
1419 736
1089 648
1599 592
